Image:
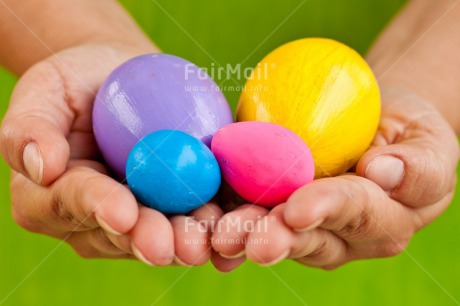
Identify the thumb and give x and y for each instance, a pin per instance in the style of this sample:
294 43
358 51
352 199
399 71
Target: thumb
33 132
415 153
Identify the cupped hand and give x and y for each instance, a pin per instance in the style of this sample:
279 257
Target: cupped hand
405 181
59 184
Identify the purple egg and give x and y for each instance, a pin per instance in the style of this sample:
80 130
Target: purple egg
155 92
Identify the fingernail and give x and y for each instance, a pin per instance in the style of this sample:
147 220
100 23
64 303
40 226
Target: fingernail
140 256
238 255
386 171
105 226
310 227
277 260
180 262
33 162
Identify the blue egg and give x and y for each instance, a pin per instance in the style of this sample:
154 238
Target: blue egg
172 172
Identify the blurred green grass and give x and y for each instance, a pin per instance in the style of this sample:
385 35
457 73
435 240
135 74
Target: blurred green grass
36 270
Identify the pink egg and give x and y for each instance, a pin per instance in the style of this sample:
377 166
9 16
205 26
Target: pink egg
263 162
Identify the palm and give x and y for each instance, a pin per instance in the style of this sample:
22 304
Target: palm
364 214
79 202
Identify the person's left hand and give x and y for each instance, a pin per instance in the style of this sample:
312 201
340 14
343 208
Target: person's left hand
405 181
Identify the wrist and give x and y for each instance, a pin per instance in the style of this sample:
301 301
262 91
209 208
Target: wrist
49 27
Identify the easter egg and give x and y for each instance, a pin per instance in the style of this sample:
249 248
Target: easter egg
155 92
323 91
263 162
172 172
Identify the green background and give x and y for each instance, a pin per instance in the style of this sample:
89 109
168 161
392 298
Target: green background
36 270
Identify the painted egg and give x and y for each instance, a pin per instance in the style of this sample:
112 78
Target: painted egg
155 92
263 162
323 91
172 172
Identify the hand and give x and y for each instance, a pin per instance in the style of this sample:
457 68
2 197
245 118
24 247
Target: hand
405 181
59 185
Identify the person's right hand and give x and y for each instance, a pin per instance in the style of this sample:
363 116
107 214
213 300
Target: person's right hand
59 185
401 184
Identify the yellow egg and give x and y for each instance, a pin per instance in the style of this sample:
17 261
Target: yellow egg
322 90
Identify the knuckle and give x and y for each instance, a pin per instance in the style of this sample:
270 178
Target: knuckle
330 267
19 212
24 220
428 177
85 252
358 227
96 244
392 248
430 164
419 221
6 135
59 211
101 241
321 252
67 206
5 130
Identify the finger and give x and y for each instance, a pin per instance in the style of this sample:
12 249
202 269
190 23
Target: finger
95 244
233 228
81 199
275 241
33 132
191 241
209 215
320 249
87 196
268 252
206 218
428 214
225 265
153 238
356 210
415 154
122 242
